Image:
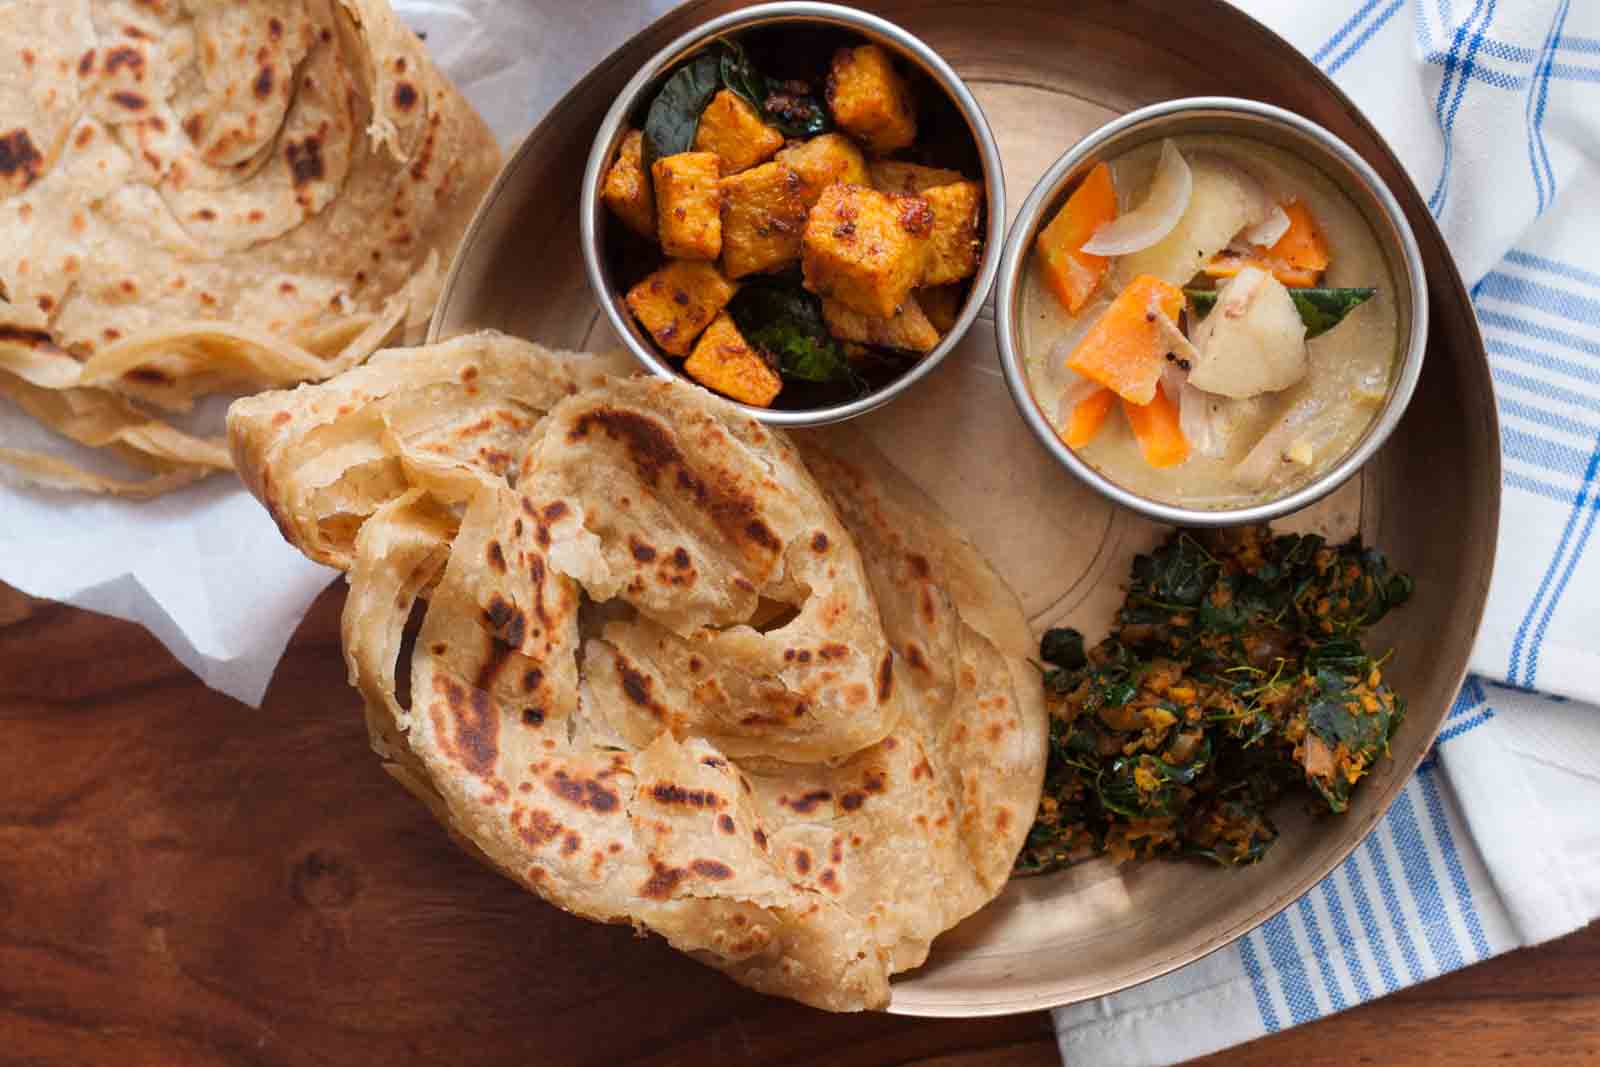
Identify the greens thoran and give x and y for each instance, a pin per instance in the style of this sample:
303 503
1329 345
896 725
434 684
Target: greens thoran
1235 674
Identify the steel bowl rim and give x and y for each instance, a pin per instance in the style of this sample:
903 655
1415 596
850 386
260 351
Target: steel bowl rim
590 210
1013 262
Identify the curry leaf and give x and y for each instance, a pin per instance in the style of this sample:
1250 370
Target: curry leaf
786 322
1062 647
674 115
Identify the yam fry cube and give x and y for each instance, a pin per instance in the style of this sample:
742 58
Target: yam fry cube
732 129
823 161
689 204
1297 259
942 304
892 176
1157 429
763 215
869 99
724 362
1126 349
678 301
626 190
954 246
1071 273
864 249
907 328
1086 417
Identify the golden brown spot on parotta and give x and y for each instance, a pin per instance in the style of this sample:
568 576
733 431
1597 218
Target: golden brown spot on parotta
532 678
663 881
914 656
46 302
475 740
641 551
829 880
124 56
130 100
802 860
852 800
405 96
148 376
19 156
506 620
819 542
275 28
711 869
808 802
263 83
535 827
497 557
760 837
570 844
671 793
725 823
305 160
533 716
584 792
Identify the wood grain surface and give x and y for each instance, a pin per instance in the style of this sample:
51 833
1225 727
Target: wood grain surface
186 881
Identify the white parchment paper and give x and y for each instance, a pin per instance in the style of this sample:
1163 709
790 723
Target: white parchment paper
205 569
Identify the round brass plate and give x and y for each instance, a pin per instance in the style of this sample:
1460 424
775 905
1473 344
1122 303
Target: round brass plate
1045 73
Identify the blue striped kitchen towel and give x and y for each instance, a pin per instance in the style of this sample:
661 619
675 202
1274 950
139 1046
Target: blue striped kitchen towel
1494 107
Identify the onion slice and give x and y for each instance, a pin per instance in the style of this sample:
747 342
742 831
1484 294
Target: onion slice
1270 230
1152 220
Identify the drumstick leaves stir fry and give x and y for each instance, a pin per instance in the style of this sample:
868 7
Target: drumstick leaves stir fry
1235 674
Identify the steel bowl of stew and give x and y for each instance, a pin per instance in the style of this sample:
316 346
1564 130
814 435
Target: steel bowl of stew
1211 310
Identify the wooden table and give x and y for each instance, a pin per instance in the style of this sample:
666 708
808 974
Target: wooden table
186 881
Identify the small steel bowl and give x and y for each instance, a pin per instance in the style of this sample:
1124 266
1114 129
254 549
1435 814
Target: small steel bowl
593 217
1247 120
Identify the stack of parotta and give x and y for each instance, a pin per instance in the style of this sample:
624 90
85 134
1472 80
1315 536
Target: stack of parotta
672 669
203 196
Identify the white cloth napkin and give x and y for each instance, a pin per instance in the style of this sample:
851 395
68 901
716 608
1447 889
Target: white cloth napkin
1495 109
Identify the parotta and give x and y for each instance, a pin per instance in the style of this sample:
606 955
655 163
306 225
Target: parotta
204 196
673 669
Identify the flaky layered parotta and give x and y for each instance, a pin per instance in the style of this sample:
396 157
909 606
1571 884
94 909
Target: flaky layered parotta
672 670
203 196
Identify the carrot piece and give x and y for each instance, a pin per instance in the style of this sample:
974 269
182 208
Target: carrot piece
1226 264
1302 245
1125 350
1073 274
1087 416
1156 426
1298 258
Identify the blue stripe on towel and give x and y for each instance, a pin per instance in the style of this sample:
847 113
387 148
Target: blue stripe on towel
1544 96
1344 31
1369 921
1533 113
1258 984
1391 901
1319 952
1520 638
1572 561
1290 967
1513 324
1452 859
1550 420
1424 886
1366 35
1544 390
1455 730
1447 114
1556 458
1347 942
1497 285
1552 266
1549 492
